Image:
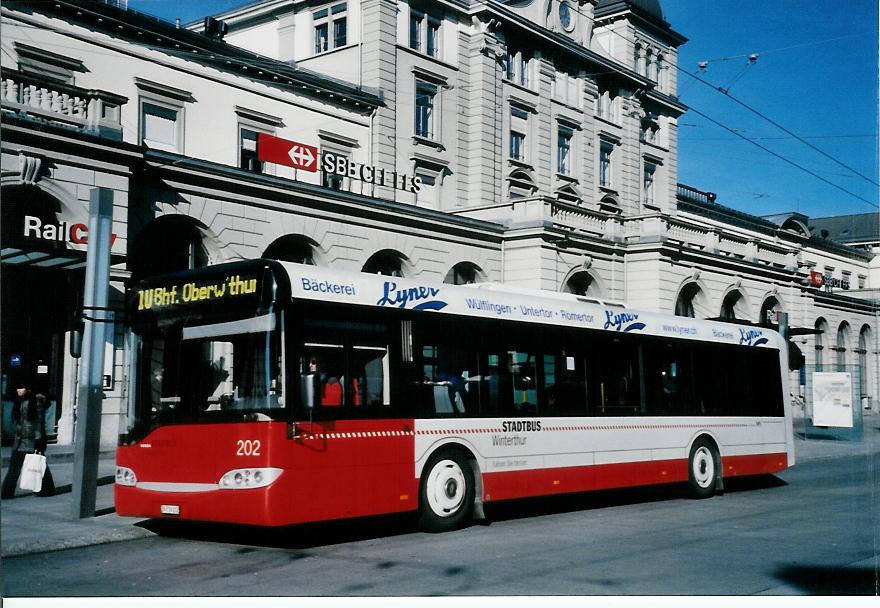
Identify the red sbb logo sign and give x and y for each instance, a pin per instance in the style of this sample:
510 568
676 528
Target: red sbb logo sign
285 152
817 279
303 156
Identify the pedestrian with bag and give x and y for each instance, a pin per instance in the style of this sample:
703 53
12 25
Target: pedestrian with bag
29 416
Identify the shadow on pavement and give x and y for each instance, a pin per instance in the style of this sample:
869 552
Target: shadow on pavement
301 536
825 580
566 503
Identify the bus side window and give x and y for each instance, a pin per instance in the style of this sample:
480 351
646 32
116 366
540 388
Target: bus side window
619 389
369 382
322 372
524 382
565 384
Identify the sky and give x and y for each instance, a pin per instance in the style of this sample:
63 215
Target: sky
815 76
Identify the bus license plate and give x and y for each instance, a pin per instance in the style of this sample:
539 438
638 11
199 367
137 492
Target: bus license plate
170 509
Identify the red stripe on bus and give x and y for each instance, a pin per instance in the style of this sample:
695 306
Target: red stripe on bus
505 485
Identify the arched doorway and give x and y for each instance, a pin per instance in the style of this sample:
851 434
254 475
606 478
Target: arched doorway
843 337
42 272
863 353
822 329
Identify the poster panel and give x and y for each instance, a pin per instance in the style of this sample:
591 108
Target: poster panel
832 399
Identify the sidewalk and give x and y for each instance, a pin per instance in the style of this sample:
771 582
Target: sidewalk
32 524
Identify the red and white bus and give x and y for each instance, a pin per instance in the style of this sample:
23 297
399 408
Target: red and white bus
273 393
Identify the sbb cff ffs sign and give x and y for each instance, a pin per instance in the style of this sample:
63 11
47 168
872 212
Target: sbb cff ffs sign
303 156
289 153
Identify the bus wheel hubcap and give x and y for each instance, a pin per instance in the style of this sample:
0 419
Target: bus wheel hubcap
703 467
445 488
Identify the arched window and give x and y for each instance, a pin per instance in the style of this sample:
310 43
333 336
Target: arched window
842 341
733 306
684 304
168 244
291 248
464 273
579 283
770 310
387 262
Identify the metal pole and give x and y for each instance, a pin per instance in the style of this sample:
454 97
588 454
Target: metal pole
90 395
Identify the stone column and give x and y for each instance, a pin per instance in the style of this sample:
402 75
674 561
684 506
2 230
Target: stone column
379 69
481 116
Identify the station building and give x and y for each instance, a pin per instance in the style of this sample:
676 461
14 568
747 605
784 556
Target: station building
531 143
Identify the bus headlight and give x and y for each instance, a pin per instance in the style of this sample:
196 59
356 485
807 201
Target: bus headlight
125 476
248 479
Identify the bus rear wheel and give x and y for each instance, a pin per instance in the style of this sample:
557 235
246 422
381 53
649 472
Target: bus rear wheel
703 468
446 494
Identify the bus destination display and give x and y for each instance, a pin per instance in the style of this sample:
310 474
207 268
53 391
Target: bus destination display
163 296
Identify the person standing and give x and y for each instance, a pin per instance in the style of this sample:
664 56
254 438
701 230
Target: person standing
29 415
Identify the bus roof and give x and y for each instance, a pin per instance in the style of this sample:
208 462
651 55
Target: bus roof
530 306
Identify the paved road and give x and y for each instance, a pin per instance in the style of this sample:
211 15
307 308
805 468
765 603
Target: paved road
813 529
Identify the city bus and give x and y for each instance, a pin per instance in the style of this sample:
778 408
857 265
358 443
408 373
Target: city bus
272 393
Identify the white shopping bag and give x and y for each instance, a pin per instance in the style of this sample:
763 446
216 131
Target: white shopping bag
32 472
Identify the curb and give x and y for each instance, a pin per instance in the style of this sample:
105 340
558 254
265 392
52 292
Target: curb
87 538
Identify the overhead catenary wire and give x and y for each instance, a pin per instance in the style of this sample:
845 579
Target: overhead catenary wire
779 156
761 115
780 127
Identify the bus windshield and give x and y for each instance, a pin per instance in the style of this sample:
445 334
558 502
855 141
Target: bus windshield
197 371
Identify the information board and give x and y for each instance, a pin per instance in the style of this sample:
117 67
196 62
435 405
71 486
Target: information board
832 399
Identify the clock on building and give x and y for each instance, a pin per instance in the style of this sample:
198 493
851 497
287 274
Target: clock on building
566 18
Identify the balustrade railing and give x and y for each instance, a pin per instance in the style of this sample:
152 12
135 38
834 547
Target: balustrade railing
85 108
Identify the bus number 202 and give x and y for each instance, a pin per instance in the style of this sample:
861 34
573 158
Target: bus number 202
246 447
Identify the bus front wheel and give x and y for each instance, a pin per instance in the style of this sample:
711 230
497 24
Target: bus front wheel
703 468
446 495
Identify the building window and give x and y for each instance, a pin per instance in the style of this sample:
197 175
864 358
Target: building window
567 89
464 273
519 126
426 94
160 127
424 33
331 27
342 148
386 262
607 107
247 151
291 248
648 184
563 151
684 304
605 151
332 180
516 67
517 146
